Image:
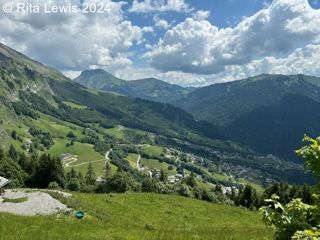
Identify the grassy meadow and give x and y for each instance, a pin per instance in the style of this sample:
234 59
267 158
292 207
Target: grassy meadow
138 216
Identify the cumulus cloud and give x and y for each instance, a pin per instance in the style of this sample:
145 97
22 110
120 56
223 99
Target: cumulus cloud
72 41
201 15
147 6
197 46
161 23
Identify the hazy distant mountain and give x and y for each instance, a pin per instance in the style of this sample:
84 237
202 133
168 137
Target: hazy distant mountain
268 112
150 88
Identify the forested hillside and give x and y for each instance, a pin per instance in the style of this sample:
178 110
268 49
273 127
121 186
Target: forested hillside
267 112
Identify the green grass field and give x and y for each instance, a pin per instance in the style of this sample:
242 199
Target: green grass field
116 132
153 163
153 150
57 128
85 153
139 216
132 158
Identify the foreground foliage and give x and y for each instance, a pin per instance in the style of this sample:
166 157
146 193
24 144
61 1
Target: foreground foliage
297 220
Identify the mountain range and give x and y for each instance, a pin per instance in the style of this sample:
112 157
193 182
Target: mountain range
269 113
36 96
149 88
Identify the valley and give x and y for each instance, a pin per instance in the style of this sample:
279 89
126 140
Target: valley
160 120
105 142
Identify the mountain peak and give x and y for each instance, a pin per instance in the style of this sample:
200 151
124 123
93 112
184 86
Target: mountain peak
148 88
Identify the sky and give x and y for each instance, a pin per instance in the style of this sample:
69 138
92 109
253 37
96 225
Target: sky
185 42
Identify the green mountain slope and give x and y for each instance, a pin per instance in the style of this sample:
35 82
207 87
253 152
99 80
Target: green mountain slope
225 102
278 128
150 88
44 106
139 216
256 110
45 90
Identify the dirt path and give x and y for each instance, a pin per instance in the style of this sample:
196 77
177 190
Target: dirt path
37 203
100 178
84 163
138 162
72 161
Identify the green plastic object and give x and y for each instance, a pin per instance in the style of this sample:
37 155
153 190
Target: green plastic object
79 214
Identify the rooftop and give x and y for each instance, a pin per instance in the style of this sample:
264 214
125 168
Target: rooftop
3 181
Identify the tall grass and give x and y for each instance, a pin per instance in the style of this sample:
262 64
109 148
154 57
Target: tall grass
138 216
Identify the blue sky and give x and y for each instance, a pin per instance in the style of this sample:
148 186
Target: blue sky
187 42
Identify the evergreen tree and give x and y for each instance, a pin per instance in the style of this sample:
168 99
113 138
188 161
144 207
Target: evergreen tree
71 174
162 176
14 134
247 197
107 169
1 154
50 169
90 175
13 153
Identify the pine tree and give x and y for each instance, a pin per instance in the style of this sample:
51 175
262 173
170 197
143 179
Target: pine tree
14 134
107 170
90 175
1 154
71 174
13 153
162 176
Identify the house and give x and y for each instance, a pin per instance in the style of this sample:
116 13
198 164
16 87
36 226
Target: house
100 180
171 179
3 183
28 144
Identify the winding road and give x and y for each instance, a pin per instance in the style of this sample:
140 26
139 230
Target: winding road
138 162
100 178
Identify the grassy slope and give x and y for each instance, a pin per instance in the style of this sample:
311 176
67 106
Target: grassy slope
153 150
155 164
139 216
132 158
85 154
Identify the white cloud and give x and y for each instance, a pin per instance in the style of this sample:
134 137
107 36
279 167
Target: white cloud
173 77
72 41
147 6
201 15
197 46
302 61
161 23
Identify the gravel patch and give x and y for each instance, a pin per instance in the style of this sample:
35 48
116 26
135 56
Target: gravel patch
38 203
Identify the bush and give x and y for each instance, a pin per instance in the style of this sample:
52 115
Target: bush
73 184
53 185
120 182
150 185
297 220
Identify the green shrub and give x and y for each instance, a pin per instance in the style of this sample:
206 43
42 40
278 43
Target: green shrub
53 185
297 220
